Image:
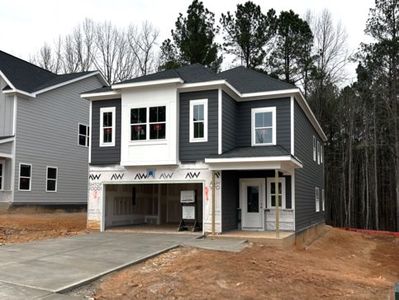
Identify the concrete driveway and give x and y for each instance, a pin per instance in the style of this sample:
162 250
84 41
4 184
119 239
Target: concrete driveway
37 270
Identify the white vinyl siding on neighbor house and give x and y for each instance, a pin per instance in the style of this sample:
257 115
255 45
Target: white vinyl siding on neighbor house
317 198
198 120
107 126
148 123
51 179
263 126
25 177
271 192
83 135
1 175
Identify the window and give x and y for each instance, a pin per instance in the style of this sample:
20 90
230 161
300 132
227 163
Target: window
314 149
51 180
264 126
317 198
25 177
318 153
1 175
148 123
321 153
83 135
271 192
323 200
199 120
107 126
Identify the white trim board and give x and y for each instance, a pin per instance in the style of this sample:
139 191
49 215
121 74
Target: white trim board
147 83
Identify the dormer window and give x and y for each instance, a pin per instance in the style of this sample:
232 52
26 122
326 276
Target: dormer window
263 126
199 120
148 123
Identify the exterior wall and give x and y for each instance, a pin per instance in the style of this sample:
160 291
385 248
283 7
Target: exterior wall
191 152
47 135
231 200
6 148
105 155
243 123
310 176
6 111
196 173
5 193
150 152
230 116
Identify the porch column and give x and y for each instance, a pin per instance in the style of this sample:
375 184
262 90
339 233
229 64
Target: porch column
276 184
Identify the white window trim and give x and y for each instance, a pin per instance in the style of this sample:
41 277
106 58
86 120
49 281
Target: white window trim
314 148
19 177
318 153
56 179
191 122
2 164
147 124
87 135
321 153
271 180
253 131
102 111
323 200
317 198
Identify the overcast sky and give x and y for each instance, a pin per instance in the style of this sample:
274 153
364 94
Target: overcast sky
27 24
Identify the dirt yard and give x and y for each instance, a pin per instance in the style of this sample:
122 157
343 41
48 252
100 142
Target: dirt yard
340 265
25 225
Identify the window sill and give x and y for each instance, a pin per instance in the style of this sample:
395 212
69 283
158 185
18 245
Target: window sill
260 145
106 145
199 141
148 142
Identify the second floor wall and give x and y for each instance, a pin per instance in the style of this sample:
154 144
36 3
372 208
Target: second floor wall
6 111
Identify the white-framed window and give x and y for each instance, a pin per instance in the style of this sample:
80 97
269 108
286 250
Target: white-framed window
323 201
2 175
198 120
271 192
83 135
25 177
107 126
263 126
51 179
321 153
318 153
317 198
148 123
314 148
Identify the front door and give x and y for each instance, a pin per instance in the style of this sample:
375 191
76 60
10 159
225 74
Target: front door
252 198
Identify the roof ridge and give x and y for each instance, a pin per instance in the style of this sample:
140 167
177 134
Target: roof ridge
29 63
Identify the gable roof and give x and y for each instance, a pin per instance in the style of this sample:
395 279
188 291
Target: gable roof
24 76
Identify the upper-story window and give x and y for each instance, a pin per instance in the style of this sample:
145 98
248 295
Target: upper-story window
198 120
318 152
83 135
148 123
107 126
314 148
263 126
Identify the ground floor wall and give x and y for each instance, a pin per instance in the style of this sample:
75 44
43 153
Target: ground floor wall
101 177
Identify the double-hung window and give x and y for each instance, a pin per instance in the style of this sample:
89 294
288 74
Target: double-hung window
323 200
1 175
263 126
317 198
318 152
271 193
148 123
198 120
314 148
25 177
51 179
84 135
107 126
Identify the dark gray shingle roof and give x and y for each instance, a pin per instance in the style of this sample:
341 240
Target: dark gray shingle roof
249 81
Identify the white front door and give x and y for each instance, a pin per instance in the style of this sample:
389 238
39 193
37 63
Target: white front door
252 199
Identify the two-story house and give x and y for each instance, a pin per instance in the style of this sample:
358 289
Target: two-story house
44 134
226 139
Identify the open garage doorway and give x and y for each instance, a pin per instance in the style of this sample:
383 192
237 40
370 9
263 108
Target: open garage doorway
148 206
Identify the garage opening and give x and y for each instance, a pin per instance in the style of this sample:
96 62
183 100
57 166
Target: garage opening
151 206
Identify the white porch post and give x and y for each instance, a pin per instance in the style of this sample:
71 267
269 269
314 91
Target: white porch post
276 184
213 203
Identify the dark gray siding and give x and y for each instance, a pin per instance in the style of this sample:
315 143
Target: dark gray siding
243 124
229 115
230 193
307 178
190 152
105 155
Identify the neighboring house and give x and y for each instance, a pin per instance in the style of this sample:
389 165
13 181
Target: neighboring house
220 137
44 134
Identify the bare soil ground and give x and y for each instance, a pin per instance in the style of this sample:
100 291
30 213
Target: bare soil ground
29 225
340 265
